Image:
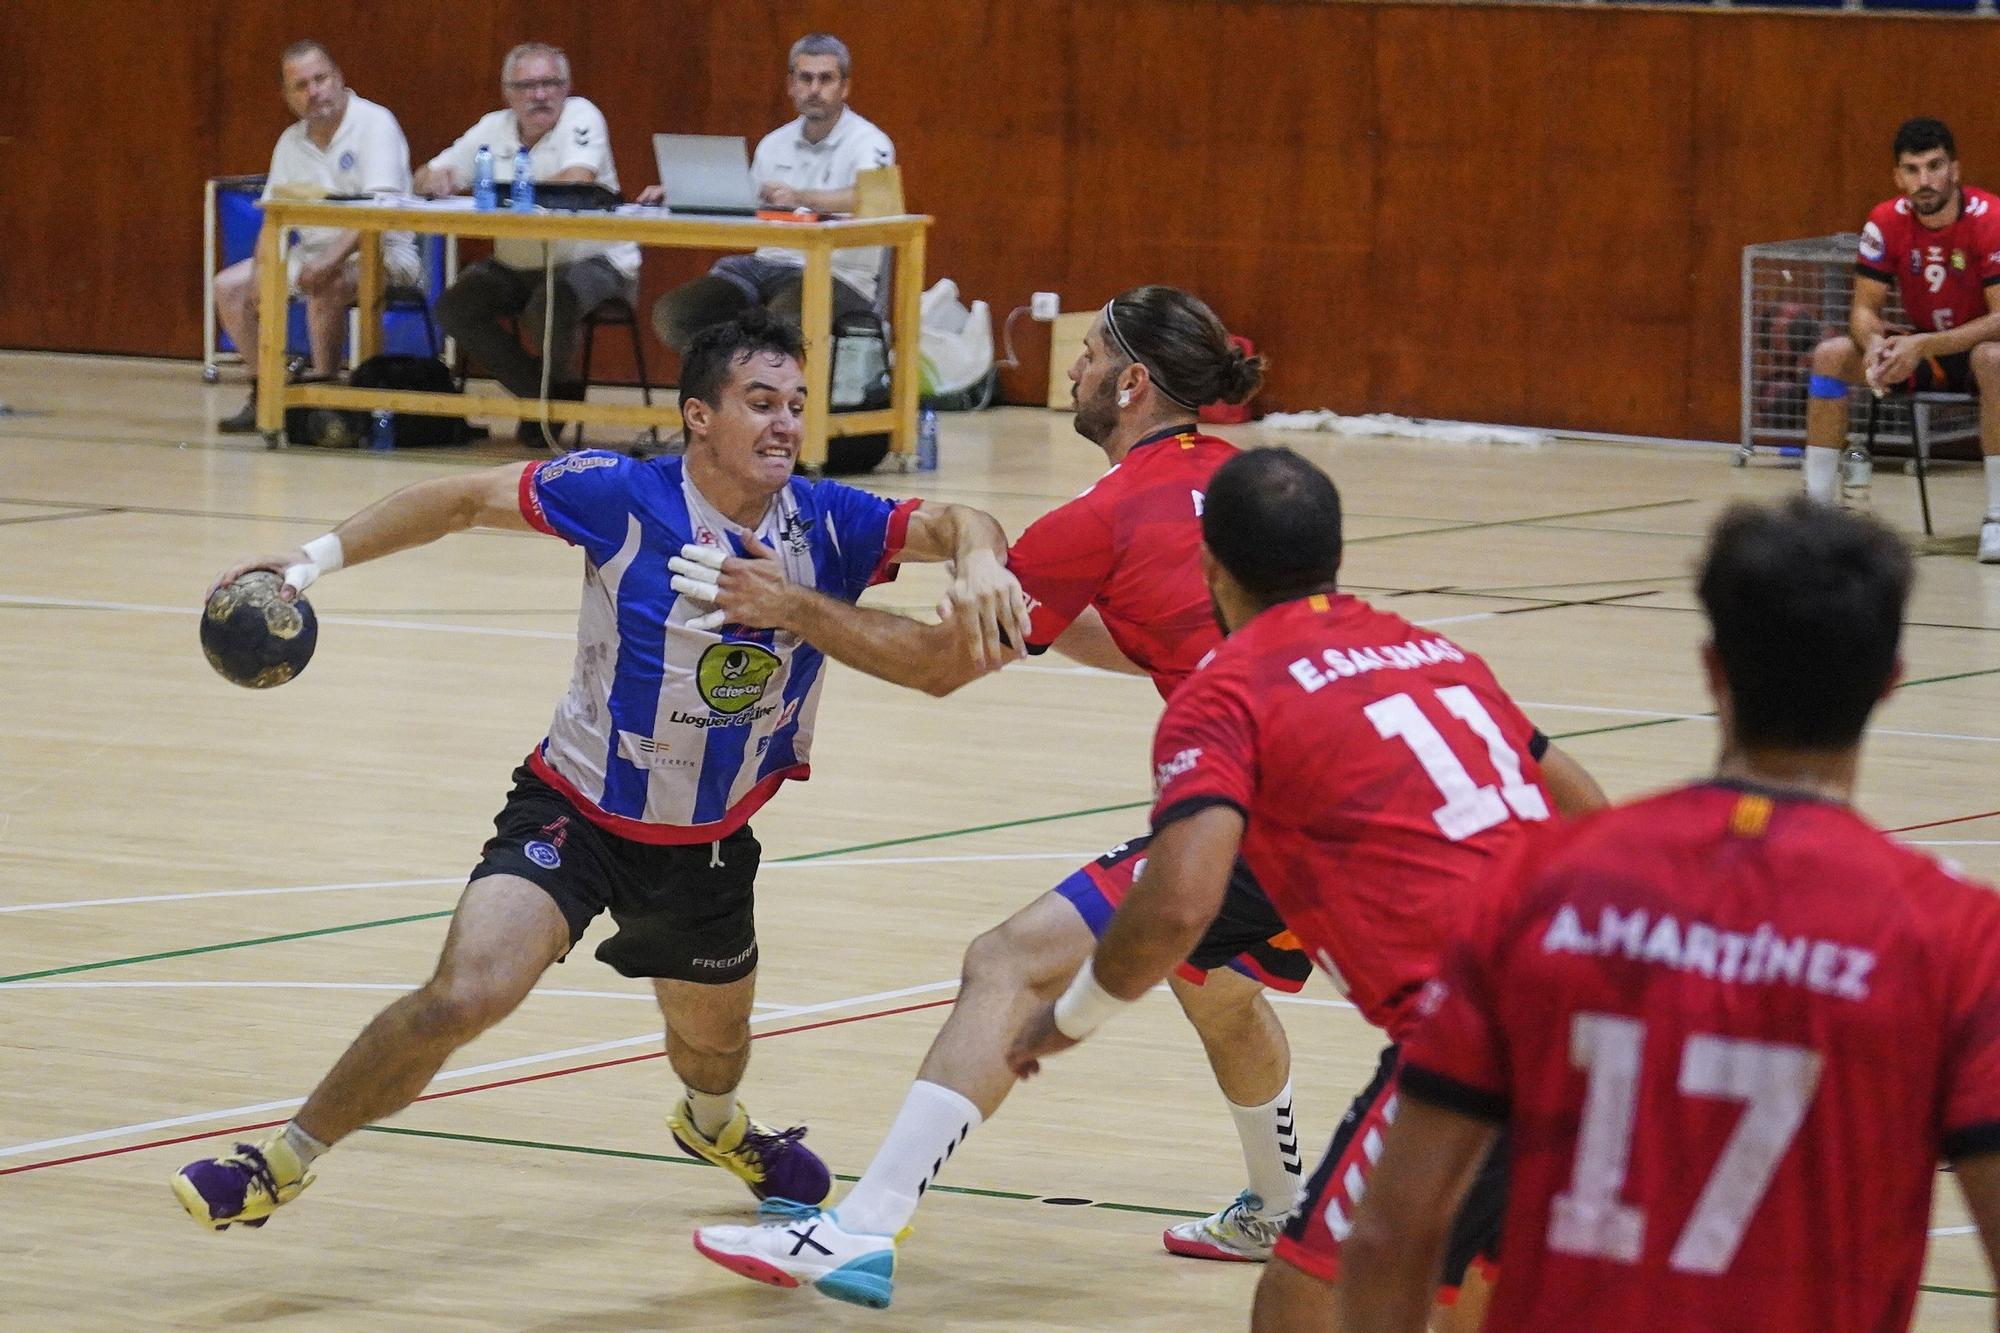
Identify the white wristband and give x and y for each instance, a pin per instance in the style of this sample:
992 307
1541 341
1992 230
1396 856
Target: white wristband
326 552
1085 1005
323 556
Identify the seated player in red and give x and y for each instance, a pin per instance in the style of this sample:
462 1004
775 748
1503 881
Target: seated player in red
1368 772
1938 242
1729 1030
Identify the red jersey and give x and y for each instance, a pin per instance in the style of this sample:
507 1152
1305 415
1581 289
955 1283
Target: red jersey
1730 1033
1380 771
1941 275
1130 546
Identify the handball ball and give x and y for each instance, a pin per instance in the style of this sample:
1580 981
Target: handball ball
254 637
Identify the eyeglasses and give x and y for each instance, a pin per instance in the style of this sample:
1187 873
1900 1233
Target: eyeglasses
536 85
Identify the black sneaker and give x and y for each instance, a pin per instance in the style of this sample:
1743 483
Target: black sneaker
245 420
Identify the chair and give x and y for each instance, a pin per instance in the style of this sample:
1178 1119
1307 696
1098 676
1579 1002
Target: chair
614 312
414 299
1921 406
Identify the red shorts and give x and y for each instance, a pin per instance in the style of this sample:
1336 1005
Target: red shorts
1311 1242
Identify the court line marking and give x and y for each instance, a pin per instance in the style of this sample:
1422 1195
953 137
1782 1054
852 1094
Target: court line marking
594 1048
1019 1196
59 906
405 986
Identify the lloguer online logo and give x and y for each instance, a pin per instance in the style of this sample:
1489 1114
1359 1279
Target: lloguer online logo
733 676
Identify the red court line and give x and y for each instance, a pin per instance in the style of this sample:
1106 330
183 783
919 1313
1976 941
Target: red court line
477 1087
1940 823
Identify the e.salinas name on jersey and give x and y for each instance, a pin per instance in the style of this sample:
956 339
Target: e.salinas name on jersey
670 734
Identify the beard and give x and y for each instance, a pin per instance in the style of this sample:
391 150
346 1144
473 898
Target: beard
1096 417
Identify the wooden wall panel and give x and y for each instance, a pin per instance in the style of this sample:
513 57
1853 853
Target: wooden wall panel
1514 214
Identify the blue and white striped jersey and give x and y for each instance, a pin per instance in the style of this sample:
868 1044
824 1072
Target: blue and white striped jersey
675 735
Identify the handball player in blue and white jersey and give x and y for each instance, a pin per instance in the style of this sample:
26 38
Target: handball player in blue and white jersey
675 730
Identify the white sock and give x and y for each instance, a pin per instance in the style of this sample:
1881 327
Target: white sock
712 1110
1271 1151
1993 485
1822 473
933 1122
305 1145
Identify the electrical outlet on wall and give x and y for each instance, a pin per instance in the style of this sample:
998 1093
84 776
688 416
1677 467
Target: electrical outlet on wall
1045 306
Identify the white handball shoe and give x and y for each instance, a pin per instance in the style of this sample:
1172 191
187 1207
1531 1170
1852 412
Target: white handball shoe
1239 1233
795 1243
1989 540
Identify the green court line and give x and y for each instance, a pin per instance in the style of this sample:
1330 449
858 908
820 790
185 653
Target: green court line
958 832
1014 1196
1622 726
433 916
627 1154
214 948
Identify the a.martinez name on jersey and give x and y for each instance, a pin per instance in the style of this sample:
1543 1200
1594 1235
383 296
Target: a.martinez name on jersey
1759 957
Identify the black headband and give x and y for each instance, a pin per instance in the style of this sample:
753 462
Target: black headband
1111 322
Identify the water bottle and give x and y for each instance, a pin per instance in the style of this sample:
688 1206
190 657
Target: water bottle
521 195
382 429
927 440
483 197
1857 469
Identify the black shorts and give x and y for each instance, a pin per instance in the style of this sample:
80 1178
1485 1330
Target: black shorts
1313 1233
1950 373
1247 936
684 912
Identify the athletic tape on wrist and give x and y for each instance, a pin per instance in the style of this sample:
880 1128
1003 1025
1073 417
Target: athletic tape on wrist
1085 1006
324 555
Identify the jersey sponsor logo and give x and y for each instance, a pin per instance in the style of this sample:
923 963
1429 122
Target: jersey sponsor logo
1174 767
1958 260
1759 957
1406 656
543 855
733 676
646 752
703 721
562 467
1976 207
1872 245
582 133
347 160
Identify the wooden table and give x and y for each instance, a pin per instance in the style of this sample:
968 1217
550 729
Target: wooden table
817 240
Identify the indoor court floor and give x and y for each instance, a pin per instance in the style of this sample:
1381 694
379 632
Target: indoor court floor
205 892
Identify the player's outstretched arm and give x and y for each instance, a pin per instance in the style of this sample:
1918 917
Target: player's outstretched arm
413 516
1389 1261
1152 933
1087 640
984 596
1979 1180
1570 785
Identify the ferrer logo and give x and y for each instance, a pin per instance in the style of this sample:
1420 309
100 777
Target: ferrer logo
1173 768
733 676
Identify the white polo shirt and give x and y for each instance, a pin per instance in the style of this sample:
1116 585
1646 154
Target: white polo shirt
579 139
367 155
855 144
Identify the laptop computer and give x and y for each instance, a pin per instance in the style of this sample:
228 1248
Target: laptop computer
706 174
